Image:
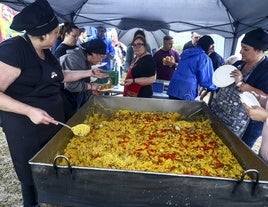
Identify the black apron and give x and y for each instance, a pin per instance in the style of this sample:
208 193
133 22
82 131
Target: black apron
24 137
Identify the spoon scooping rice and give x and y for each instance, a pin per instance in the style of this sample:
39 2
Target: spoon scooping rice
79 130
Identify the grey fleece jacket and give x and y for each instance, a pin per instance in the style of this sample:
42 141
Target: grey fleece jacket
75 60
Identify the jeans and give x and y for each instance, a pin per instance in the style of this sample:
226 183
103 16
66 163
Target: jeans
29 195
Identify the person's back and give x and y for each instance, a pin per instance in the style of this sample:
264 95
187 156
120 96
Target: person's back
192 62
74 93
195 69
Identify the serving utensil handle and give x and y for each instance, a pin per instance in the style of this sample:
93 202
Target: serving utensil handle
64 125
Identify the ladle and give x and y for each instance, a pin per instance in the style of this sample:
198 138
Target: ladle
79 130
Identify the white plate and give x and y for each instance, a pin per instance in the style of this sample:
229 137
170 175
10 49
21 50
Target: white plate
221 77
92 79
217 82
249 99
98 65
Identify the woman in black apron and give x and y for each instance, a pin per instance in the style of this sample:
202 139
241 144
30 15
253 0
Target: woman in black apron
30 89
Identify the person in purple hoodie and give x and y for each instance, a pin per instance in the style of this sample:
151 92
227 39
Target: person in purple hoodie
166 59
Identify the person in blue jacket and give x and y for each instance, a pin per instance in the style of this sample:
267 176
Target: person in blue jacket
195 69
110 51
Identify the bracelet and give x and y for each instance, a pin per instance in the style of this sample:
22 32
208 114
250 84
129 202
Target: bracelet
133 80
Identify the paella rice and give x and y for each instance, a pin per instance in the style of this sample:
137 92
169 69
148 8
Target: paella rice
155 142
81 129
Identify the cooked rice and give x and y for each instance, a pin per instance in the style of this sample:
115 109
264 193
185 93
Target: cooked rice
155 142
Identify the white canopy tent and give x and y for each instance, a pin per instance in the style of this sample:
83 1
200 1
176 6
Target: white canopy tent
228 18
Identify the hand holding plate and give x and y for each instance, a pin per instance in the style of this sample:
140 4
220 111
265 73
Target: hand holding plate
237 75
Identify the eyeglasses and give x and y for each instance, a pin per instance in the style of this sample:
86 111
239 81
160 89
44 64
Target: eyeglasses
138 45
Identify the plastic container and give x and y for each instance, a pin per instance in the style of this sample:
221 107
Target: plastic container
113 75
158 87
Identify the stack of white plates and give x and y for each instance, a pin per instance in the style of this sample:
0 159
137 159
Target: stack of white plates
92 79
98 65
221 77
249 99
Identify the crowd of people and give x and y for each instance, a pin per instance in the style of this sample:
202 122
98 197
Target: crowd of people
46 76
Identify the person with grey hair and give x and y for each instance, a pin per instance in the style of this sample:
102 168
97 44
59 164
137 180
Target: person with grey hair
231 60
166 59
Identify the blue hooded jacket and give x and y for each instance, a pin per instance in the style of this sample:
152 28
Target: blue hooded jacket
195 69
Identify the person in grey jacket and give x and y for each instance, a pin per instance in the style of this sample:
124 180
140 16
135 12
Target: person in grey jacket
81 58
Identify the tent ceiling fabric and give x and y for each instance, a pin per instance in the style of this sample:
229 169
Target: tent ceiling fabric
228 18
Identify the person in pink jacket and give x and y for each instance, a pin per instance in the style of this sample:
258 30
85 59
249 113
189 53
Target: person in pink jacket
260 113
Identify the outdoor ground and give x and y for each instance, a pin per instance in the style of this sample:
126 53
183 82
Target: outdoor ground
9 186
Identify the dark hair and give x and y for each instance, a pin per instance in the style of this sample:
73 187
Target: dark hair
101 27
94 46
142 39
205 42
139 32
167 37
62 29
69 28
258 39
82 30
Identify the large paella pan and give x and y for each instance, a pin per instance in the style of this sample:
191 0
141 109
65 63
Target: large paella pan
90 186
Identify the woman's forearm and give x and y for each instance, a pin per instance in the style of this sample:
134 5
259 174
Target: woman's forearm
144 80
246 87
74 75
11 105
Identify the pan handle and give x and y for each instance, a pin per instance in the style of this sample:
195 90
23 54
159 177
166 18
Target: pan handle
55 166
255 183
